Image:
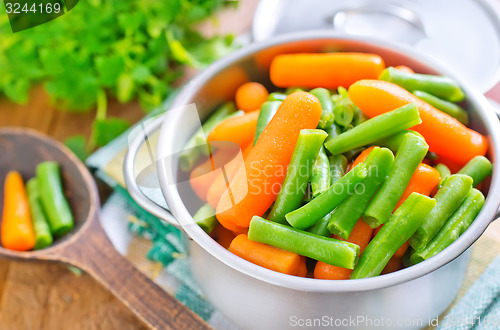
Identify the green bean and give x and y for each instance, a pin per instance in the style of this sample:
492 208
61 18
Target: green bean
205 218
267 112
312 212
338 167
478 168
375 129
393 142
411 152
440 86
333 131
321 176
344 217
325 99
275 96
321 227
298 173
193 149
402 224
329 250
454 226
444 172
43 237
449 108
448 199
52 197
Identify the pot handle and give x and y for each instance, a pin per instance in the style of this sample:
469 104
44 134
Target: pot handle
129 175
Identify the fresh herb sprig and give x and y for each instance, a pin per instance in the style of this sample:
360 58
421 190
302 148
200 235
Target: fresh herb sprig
125 49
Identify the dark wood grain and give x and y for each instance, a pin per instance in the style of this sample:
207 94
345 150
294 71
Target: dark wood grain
87 246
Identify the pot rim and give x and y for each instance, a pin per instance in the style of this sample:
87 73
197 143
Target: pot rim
168 169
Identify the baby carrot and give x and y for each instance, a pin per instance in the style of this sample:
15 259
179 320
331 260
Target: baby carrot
240 130
362 156
360 235
250 96
225 176
265 256
445 135
257 183
423 181
17 228
393 265
329 70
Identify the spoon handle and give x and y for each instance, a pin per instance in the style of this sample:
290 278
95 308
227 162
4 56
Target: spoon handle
94 253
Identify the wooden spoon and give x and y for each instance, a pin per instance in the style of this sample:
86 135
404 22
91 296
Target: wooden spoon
87 246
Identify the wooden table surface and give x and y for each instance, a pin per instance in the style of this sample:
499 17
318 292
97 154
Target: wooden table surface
49 296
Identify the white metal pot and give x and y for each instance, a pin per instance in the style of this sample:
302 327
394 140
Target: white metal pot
257 298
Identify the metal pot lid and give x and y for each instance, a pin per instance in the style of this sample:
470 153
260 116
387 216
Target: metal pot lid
462 34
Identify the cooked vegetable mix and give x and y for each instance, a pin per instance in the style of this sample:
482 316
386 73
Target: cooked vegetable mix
344 170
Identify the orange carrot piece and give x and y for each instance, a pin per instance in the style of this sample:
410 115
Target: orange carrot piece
265 256
302 268
257 183
239 129
17 228
360 235
223 236
393 265
250 96
203 175
423 181
329 70
220 185
362 156
404 68
445 135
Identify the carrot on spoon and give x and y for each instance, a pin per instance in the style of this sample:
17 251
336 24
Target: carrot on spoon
445 135
17 227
